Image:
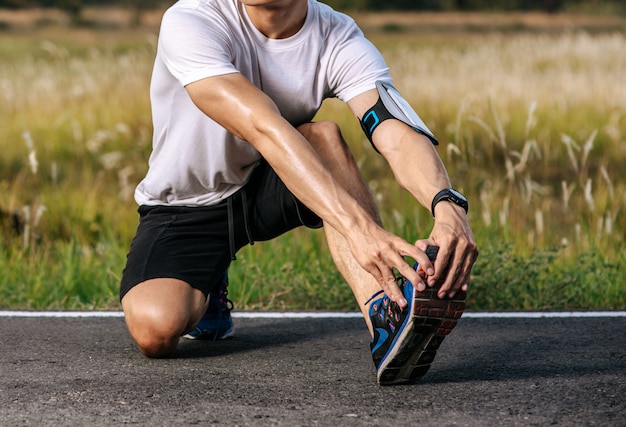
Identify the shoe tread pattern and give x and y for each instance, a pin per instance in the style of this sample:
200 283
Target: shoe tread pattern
433 319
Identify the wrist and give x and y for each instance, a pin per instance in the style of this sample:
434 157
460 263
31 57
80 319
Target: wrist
449 196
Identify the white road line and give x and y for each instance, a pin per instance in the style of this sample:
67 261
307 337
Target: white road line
328 315
542 314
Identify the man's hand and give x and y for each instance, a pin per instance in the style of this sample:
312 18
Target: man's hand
457 250
379 252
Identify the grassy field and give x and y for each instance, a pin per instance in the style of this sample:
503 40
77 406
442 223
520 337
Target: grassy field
531 115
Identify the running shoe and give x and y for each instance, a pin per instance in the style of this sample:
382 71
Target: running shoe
216 324
406 340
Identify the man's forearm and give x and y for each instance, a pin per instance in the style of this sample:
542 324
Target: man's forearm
302 170
413 159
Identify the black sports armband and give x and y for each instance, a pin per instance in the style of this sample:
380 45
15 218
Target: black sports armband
391 105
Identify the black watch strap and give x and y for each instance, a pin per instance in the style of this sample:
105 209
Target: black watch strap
449 195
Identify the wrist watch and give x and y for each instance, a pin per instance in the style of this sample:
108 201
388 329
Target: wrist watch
449 195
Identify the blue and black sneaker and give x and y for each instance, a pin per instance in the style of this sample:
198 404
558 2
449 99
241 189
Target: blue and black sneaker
406 340
216 324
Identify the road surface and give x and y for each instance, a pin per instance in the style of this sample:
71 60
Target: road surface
305 371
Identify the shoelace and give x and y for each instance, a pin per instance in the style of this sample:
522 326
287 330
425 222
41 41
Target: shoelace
400 280
387 311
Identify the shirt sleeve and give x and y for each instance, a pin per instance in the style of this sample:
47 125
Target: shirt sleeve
355 65
194 46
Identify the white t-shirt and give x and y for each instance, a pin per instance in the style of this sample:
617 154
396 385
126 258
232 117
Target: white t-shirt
195 161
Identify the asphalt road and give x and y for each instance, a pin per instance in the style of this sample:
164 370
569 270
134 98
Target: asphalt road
488 372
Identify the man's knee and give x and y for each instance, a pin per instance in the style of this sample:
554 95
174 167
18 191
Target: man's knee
322 131
156 334
325 136
159 311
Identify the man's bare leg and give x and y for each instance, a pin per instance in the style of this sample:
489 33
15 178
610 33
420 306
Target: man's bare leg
159 311
403 352
326 138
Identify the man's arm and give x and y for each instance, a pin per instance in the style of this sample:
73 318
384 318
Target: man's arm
418 168
233 102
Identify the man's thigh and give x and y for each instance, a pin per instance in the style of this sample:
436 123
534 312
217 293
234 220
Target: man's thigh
190 244
273 209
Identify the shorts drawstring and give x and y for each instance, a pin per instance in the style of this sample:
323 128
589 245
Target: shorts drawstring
231 222
231 228
246 224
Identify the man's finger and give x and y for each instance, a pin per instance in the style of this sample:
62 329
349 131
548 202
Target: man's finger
390 286
457 277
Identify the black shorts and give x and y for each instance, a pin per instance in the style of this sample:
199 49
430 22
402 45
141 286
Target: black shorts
197 244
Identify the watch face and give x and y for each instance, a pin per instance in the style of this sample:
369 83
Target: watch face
457 194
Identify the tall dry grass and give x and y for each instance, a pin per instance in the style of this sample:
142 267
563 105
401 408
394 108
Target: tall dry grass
532 129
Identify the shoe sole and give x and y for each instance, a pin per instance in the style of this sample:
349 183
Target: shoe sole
211 337
431 321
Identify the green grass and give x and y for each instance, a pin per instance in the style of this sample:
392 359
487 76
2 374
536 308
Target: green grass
61 276
532 129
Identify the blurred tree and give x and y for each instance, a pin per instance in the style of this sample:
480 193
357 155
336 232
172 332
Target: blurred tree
139 7
348 4
72 7
16 4
552 6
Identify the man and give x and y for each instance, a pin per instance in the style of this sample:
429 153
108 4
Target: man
236 159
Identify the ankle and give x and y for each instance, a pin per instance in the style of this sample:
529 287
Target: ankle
366 311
